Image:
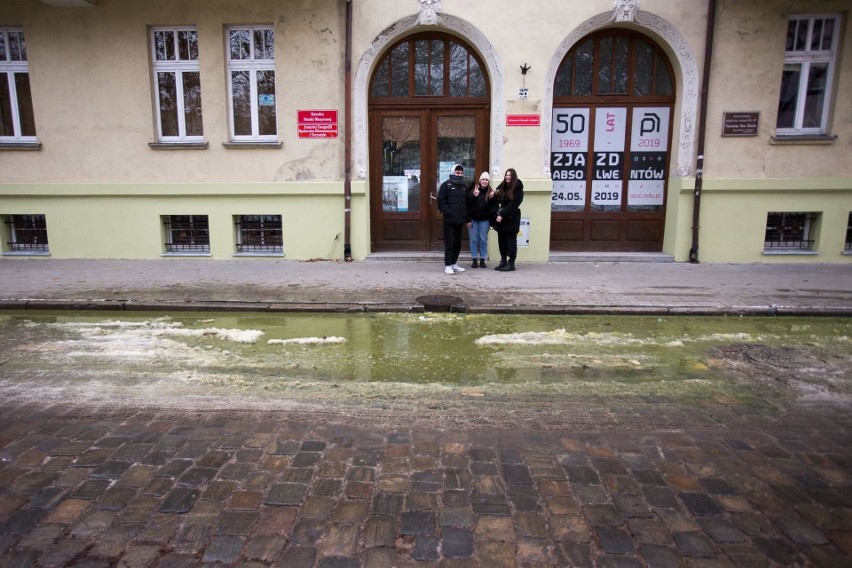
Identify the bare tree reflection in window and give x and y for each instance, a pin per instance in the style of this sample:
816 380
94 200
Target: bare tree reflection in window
241 92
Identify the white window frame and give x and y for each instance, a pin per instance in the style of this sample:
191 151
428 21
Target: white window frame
252 65
11 68
805 58
178 67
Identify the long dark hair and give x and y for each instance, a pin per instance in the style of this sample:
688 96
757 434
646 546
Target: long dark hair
508 190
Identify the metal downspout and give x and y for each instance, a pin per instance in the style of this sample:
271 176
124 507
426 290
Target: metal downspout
702 128
347 133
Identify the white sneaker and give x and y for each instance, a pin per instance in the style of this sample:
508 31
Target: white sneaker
457 268
448 270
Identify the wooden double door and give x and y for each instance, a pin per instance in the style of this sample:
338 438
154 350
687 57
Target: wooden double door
412 152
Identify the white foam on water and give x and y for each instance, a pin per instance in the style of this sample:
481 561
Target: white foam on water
307 341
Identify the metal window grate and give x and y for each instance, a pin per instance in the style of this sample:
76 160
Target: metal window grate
789 231
848 245
259 233
28 232
187 233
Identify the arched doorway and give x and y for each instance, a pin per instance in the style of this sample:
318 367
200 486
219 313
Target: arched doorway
610 144
429 107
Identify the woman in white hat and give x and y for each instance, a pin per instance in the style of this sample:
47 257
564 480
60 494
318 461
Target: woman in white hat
480 219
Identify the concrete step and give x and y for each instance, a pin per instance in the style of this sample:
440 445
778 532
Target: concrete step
437 256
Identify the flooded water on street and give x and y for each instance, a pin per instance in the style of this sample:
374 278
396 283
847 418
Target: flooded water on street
279 358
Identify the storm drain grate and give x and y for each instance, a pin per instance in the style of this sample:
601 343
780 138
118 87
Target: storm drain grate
442 303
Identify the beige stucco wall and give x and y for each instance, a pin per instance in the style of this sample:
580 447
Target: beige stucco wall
747 62
92 91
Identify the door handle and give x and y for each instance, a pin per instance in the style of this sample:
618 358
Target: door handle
432 197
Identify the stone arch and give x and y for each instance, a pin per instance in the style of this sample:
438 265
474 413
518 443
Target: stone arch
671 40
406 26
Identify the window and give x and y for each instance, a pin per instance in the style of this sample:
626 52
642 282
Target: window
17 123
187 234
809 60
259 234
429 66
27 234
614 63
847 247
789 231
251 84
177 82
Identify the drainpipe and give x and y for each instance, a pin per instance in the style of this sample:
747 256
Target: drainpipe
347 133
702 128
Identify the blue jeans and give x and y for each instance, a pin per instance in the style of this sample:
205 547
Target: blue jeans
478 233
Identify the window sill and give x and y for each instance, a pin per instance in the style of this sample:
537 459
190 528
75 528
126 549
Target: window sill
178 145
20 145
267 254
253 145
790 139
847 252
26 253
788 252
170 254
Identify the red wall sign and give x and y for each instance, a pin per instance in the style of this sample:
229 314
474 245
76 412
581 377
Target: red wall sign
523 120
317 123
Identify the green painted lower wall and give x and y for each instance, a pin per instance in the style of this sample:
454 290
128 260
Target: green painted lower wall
733 218
125 220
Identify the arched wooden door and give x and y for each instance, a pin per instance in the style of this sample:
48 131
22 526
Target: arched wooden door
429 109
610 144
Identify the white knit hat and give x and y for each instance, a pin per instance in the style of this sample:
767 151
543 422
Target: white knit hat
485 175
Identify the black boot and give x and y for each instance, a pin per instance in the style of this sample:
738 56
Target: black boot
511 266
502 265
482 263
474 264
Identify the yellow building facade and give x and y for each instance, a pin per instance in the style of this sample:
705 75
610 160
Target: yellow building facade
713 131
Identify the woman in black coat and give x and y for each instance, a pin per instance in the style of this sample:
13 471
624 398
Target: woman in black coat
506 209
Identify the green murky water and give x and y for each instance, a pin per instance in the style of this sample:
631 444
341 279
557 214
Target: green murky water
604 354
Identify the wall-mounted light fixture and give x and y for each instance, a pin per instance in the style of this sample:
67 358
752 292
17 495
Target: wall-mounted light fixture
523 92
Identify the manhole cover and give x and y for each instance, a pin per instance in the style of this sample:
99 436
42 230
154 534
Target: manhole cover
441 303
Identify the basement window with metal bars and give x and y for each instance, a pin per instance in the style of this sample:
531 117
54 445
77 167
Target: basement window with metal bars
187 234
847 247
789 232
27 234
259 234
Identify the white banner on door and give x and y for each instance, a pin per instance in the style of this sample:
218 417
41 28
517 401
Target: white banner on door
648 156
608 169
650 129
569 147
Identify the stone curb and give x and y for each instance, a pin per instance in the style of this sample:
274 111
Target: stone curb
320 307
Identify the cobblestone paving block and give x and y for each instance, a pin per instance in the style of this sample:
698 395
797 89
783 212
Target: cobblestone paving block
40 537
603 515
350 511
225 549
239 523
307 531
425 548
460 517
319 508
456 542
61 553
111 469
721 530
138 556
190 539
500 529
615 540
418 523
286 494
574 554
800 531
180 500
592 494
340 540
387 504
490 505
694 544
47 498
379 530
338 562
299 557
22 521
524 498
700 504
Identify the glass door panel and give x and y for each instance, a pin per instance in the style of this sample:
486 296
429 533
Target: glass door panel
401 187
455 144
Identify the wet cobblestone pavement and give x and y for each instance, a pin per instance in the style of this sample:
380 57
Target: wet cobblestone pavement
173 491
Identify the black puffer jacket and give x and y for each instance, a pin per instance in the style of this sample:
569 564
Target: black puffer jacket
508 209
478 207
452 201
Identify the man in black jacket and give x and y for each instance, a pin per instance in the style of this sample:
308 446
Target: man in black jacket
452 203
